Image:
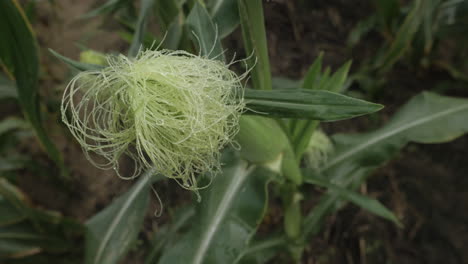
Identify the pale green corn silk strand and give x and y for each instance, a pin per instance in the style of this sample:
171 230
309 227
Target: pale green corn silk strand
168 109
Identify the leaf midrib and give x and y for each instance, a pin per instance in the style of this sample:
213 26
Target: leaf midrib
216 7
118 218
285 102
239 176
383 136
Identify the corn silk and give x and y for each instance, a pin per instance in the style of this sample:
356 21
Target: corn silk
170 110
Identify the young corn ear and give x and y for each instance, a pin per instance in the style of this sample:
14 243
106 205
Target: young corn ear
263 142
171 110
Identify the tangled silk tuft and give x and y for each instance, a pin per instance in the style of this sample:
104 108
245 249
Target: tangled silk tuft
170 110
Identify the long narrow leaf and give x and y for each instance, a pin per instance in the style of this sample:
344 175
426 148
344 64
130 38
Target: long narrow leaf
364 202
17 199
206 35
76 64
404 36
263 250
227 217
18 53
307 104
225 15
313 74
166 235
146 6
427 118
302 130
108 7
255 43
112 231
7 88
167 11
8 213
12 123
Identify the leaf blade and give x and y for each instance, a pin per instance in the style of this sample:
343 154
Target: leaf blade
356 156
146 6
227 217
307 104
255 43
367 203
111 232
225 15
18 53
199 21
76 64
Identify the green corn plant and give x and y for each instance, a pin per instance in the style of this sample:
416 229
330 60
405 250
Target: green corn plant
19 59
415 32
276 133
30 233
176 109
266 153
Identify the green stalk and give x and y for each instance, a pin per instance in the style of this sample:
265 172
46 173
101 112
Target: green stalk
255 43
293 218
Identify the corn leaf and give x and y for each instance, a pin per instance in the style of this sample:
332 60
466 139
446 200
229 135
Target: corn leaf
427 118
17 199
25 230
452 19
302 130
7 89
76 64
312 76
307 104
167 234
174 34
367 203
9 214
225 14
18 53
387 10
108 7
167 12
361 29
20 240
404 36
146 7
111 232
337 81
262 251
11 164
226 218
295 103
255 43
12 123
205 33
